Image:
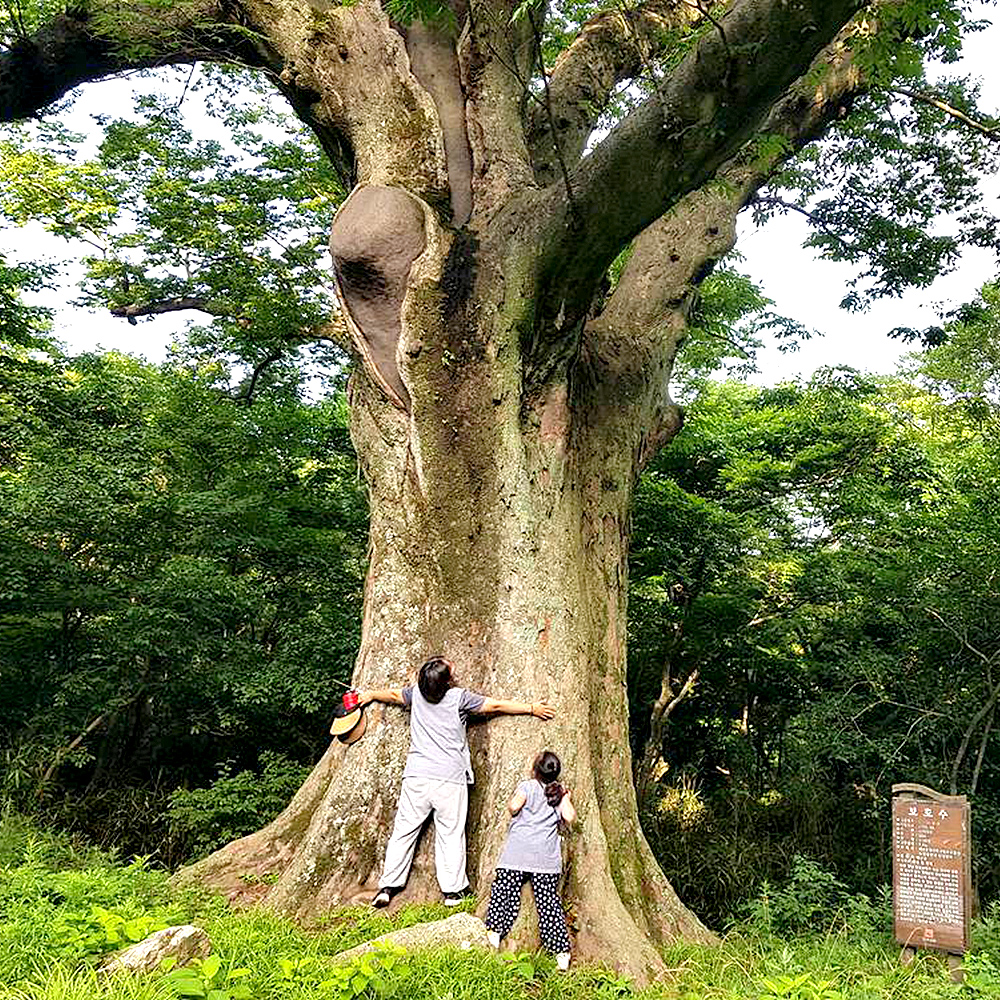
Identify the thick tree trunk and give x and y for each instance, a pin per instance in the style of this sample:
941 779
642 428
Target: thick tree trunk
499 536
500 428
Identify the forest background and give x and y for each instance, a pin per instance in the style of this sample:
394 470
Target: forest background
813 570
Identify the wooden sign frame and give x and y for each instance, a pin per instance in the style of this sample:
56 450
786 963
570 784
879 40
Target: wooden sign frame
931 869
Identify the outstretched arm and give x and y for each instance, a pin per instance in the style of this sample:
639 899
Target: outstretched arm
539 709
388 696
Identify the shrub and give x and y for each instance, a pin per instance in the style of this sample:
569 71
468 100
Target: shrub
812 899
72 912
20 838
204 819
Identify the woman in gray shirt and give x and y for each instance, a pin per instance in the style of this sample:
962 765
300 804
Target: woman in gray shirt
532 853
437 775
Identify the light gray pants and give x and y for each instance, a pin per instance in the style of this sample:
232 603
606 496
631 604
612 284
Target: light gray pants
418 798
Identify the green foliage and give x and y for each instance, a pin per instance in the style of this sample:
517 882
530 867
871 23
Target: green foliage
263 955
203 819
877 188
206 978
965 369
730 318
21 839
18 18
58 900
982 975
231 228
21 325
810 900
58 982
523 962
181 569
908 33
428 11
97 930
801 987
381 972
821 553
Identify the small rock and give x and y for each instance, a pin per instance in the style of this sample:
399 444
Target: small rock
463 930
185 942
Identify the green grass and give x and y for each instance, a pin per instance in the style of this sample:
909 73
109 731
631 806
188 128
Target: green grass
44 877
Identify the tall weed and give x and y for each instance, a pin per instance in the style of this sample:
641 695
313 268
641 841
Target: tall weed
814 900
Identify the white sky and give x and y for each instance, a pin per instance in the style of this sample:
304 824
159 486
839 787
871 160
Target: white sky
801 286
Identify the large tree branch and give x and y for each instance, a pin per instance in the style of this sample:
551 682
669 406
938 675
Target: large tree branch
77 46
677 140
333 331
644 321
319 73
611 48
179 304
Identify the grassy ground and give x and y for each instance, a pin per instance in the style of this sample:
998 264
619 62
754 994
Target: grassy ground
62 905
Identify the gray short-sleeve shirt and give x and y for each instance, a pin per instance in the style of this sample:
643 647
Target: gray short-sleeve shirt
533 835
439 747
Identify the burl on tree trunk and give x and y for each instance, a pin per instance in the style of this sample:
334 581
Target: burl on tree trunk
503 403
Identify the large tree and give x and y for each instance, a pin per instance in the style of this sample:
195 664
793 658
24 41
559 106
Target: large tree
504 402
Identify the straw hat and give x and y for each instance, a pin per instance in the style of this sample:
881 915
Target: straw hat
348 724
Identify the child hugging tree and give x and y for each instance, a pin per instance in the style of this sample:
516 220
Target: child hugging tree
532 853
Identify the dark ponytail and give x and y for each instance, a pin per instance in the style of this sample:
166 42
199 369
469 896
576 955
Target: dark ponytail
546 771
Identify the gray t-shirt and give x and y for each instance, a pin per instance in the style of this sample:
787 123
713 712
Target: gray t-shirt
533 835
438 744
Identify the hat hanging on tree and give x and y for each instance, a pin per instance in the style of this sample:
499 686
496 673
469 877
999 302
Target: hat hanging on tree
348 719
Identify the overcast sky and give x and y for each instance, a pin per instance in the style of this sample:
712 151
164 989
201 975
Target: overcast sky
802 287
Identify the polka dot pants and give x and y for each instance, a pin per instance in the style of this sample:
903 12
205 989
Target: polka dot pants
505 901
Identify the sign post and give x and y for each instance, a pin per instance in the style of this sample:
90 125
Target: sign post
931 870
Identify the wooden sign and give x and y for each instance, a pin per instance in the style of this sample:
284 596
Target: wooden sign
931 872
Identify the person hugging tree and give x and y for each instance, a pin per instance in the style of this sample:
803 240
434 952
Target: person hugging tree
437 775
538 808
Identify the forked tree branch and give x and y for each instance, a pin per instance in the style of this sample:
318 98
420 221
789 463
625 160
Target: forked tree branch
259 369
645 319
987 709
672 255
675 142
610 49
63 751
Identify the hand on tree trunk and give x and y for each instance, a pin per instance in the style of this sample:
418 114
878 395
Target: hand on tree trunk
539 709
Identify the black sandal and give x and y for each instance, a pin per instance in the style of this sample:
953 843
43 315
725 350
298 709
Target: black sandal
384 896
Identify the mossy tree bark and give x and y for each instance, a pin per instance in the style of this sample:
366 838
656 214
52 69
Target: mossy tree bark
501 408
